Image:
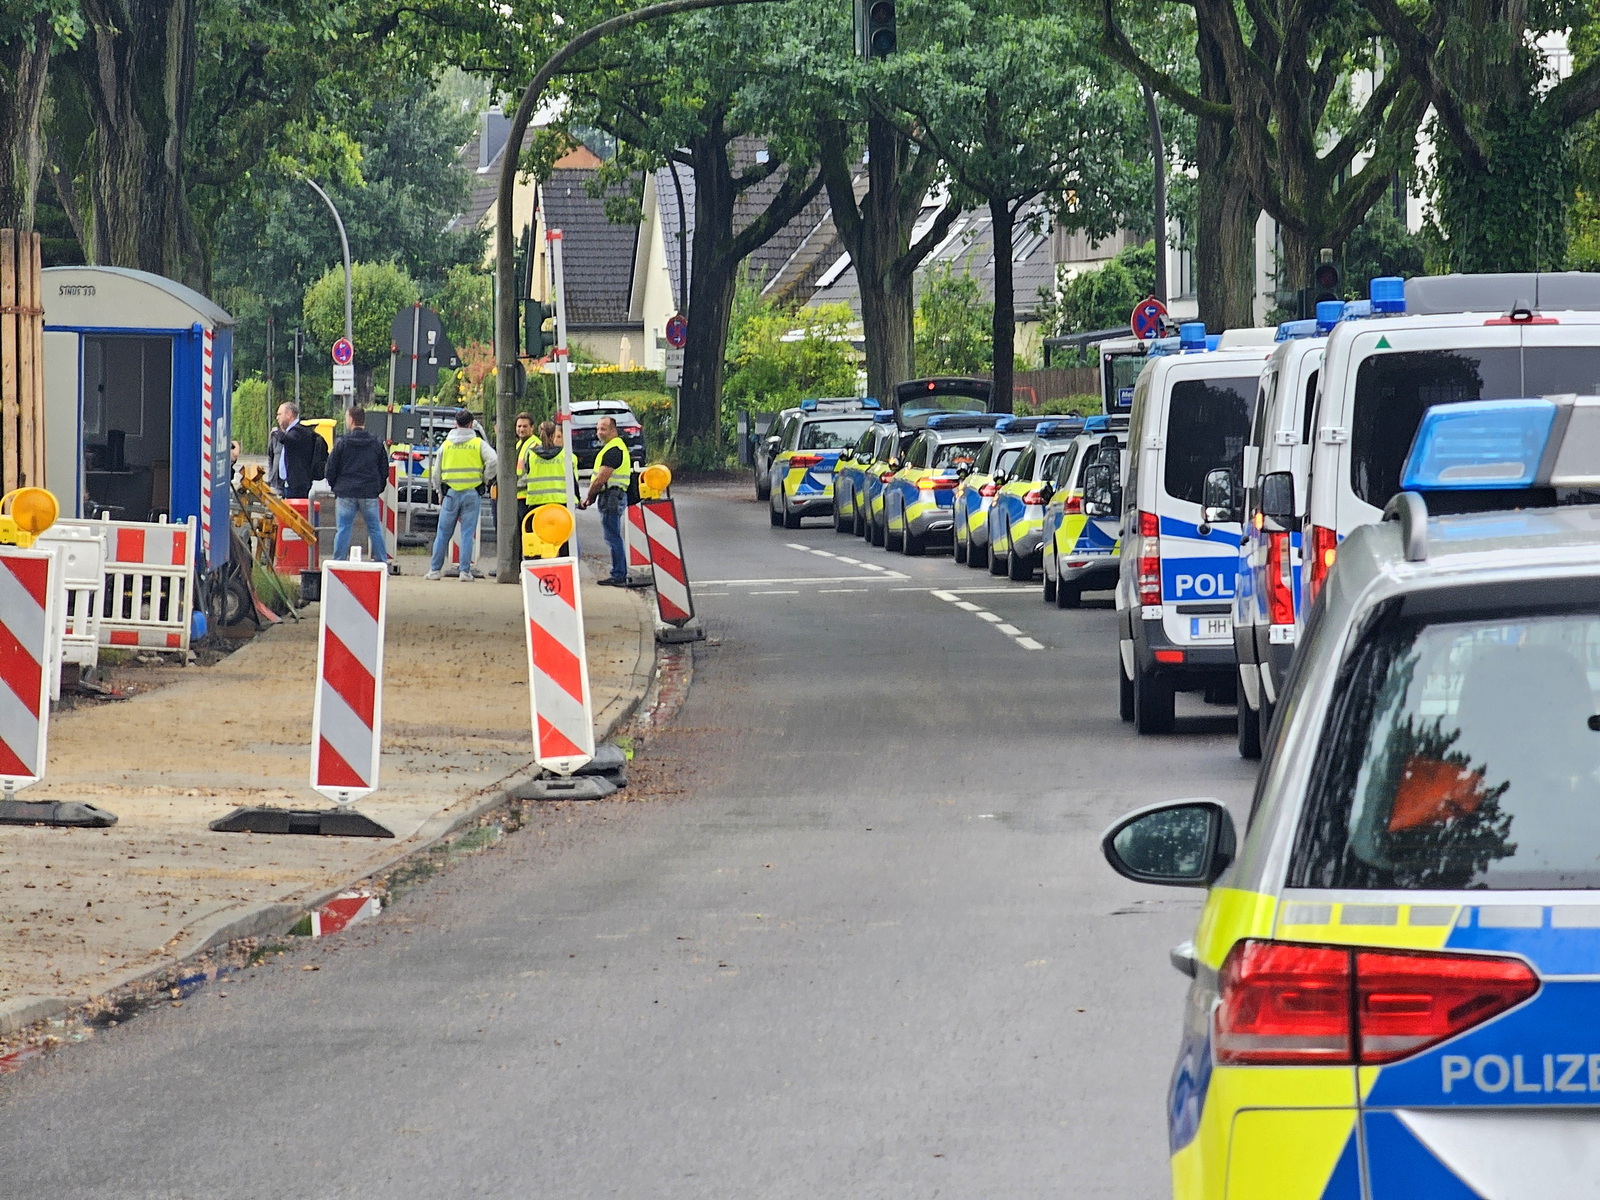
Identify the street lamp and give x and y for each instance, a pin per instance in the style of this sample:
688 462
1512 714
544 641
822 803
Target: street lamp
344 242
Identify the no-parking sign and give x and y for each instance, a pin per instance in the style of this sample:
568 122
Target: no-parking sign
343 352
677 331
1148 316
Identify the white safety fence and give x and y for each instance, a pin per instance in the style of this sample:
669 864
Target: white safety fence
78 575
147 584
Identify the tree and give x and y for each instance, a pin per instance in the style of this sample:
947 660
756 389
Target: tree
1102 298
378 291
955 328
28 32
466 305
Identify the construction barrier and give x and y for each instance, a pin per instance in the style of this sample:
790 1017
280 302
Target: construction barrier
347 718
27 611
455 547
674 600
389 510
80 562
147 597
558 665
638 545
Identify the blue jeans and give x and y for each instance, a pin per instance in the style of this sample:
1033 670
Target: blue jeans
371 519
611 525
458 506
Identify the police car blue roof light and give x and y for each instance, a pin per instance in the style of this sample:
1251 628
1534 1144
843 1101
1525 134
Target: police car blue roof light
869 402
1061 426
883 418
1479 445
808 406
1289 331
963 421
1388 294
1192 336
1329 314
1100 424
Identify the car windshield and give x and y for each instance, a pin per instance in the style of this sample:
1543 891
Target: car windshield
955 454
1393 391
1208 423
1461 755
832 435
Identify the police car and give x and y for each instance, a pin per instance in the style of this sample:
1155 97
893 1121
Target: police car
1276 465
1016 515
1079 550
1191 415
887 457
1397 967
917 498
979 486
848 473
807 448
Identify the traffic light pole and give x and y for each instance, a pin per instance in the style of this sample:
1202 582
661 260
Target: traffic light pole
564 375
505 292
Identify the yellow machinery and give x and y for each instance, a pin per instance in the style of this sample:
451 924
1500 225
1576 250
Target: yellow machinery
25 514
545 530
262 511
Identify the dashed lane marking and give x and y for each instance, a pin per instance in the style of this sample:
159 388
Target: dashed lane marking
783 593
838 591
1009 630
1027 643
967 604
952 596
986 616
702 583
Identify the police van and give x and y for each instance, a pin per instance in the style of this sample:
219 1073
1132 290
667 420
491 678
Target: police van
1276 460
1175 586
1080 547
1446 339
1395 975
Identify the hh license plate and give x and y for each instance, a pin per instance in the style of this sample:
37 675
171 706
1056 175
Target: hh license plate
1208 628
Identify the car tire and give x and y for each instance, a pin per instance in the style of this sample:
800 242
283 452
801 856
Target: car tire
998 564
1068 597
840 522
1019 567
791 520
1049 584
958 544
890 542
763 486
774 516
1249 729
911 545
858 522
977 556
1124 690
876 533
1154 703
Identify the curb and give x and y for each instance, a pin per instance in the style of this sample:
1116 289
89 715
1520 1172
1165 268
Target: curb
279 916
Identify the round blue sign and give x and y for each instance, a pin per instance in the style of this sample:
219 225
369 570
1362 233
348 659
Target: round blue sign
343 352
1147 318
677 330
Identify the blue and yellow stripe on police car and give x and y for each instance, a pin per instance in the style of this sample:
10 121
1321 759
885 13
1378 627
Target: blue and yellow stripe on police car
801 483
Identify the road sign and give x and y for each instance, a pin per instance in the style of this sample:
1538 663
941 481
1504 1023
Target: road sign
674 367
677 330
419 334
343 352
344 379
26 618
1147 318
347 715
558 665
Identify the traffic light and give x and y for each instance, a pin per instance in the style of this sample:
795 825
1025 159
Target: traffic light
536 340
875 32
1325 281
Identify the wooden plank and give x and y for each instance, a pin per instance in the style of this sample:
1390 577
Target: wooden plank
30 471
9 457
38 361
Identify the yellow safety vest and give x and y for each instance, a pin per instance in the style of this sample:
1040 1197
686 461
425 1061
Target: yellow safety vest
543 480
461 464
531 440
623 474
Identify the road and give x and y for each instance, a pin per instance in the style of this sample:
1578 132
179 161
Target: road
857 940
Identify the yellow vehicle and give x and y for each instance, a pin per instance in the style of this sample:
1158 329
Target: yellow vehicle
849 476
1016 515
978 487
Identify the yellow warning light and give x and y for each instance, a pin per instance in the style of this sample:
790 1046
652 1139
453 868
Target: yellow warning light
25 514
544 530
654 480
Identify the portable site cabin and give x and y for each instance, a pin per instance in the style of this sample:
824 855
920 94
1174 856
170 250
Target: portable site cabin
138 384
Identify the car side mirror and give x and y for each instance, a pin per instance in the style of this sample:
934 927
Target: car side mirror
1276 500
1102 497
1219 499
1001 479
963 470
1178 843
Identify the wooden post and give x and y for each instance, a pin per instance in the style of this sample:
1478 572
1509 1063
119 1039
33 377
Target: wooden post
10 459
21 361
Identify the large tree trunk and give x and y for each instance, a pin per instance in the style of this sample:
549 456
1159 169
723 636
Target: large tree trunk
1226 210
24 69
888 323
137 65
1002 221
711 286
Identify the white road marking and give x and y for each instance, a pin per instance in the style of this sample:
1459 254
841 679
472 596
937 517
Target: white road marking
1027 643
798 546
798 579
1009 630
969 605
788 593
852 561
953 596
876 567
715 593
944 596
987 616
825 553
837 591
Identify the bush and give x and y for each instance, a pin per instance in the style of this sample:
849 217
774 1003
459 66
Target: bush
1102 298
250 417
954 326
588 385
779 355
1083 405
654 410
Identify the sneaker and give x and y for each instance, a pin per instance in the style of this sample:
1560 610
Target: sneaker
608 582
466 576
432 575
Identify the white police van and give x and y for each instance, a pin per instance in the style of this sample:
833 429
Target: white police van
1276 459
1436 340
1175 586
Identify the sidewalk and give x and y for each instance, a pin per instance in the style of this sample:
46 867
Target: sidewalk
85 911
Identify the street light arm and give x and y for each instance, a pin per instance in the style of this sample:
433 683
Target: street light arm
505 300
344 242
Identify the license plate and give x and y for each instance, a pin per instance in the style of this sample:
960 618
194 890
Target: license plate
1210 627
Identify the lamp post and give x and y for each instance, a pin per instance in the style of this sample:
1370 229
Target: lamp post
505 290
344 242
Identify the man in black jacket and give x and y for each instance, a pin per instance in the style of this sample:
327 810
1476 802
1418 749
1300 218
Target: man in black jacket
358 471
298 454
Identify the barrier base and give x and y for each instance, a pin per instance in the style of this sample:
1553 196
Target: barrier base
609 760
671 635
55 812
314 822
641 577
576 787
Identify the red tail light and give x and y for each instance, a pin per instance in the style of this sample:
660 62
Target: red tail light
1149 560
805 460
1324 545
885 475
632 429
937 483
1034 497
1280 580
989 491
1073 505
1286 1002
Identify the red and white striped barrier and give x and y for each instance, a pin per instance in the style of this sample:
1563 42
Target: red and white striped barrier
147 598
389 511
558 665
206 451
27 612
638 545
347 719
455 548
674 600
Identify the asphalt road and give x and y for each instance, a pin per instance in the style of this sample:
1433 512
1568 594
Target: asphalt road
854 940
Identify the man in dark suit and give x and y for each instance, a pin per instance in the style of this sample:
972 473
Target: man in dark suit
298 454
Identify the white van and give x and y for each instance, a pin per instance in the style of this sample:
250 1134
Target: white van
1191 416
1452 338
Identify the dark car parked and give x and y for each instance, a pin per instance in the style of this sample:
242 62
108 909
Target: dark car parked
586 415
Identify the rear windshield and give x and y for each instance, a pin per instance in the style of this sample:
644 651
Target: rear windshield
1461 755
831 435
1004 458
1208 422
1394 390
955 454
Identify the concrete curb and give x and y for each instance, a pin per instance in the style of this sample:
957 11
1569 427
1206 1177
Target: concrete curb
277 917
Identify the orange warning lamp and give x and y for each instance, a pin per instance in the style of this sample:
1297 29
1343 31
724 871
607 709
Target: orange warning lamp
654 480
544 530
25 514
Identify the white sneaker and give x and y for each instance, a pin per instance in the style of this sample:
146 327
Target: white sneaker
466 576
432 575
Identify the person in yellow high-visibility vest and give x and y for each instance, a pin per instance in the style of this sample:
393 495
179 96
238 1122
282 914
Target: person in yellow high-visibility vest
613 473
463 463
525 438
542 471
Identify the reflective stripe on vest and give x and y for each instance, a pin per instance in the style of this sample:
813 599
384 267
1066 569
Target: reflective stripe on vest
461 464
544 480
623 474
525 446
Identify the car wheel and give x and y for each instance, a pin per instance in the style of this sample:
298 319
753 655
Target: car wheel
977 556
890 541
998 564
1154 700
773 514
1249 729
1049 581
1019 567
858 522
1068 597
877 533
841 523
763 486
791 520
1124 690
912 545
958 544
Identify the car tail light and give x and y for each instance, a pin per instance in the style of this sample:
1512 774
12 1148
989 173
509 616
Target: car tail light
805 460
1073 505
937 483
1324 545
1280 580
1149 560
1169 656
1291 1003
1033 497
885 475
633 429
989 491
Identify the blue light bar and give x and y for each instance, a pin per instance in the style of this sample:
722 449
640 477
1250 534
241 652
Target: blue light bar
1329 314
869 402
883 418
963 421
1479 445
1357 309
1064 426
1388 294
1097 425
808 406
1290 331
1192 336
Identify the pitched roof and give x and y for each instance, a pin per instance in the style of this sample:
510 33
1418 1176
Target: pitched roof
598 254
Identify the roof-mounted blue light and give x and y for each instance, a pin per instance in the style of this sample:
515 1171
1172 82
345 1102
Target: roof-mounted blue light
1388 294
883 418
963 421
1192 336
808 406
1097 424
1329 314
1061 427
869 402
1290 331
1479 445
